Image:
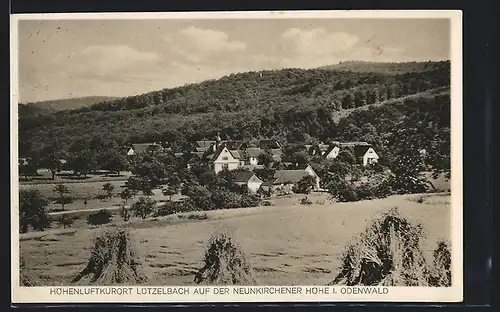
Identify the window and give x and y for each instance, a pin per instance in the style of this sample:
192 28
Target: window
224 158
370 160
225 166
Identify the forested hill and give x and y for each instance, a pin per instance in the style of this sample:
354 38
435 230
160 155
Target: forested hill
382 67
64 104
292 105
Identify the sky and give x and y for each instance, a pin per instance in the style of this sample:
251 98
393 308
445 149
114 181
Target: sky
74 58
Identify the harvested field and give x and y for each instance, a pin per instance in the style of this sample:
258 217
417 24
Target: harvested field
285 244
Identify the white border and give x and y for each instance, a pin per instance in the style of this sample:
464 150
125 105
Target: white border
395 294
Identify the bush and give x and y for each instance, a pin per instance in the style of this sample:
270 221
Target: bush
144 207
305 185
225 263
103 216
284 190
378 186
170 207
305 201
267 203
113 261
248 200
347 193
196 216
33 211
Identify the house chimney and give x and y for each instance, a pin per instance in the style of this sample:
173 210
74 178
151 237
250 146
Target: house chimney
217 141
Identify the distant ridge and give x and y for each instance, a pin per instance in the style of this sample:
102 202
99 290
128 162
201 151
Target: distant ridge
382 67
71 103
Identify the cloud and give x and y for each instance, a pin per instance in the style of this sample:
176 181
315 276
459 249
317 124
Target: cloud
103 59
197 44
317 41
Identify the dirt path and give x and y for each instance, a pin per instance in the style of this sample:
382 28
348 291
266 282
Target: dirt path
79 211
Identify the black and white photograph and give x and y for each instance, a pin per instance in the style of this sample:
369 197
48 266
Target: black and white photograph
266 149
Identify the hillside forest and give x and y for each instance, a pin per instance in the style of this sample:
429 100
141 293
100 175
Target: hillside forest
399 109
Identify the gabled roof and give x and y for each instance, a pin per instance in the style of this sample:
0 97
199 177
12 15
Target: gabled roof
233 145
199 155
330 148
360 150
268 182
243 176
269 144
289 176
217 152
141 147
205 144
236 154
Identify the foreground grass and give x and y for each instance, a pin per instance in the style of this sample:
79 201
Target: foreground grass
287 243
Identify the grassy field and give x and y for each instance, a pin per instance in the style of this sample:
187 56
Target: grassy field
287 244
81 190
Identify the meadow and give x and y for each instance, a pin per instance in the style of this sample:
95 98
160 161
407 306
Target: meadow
286 244
90 190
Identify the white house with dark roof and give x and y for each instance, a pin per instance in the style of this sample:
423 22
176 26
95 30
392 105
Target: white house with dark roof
363 152
225 159
366 154
249 179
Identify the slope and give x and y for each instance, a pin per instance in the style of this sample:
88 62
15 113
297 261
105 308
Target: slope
71 103
292 105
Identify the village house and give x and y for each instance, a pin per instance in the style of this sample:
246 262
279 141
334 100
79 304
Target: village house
224 159
332 152
142 147
252 155
196 157
320 149
269 145
230 155
367 154
363 151
249 179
